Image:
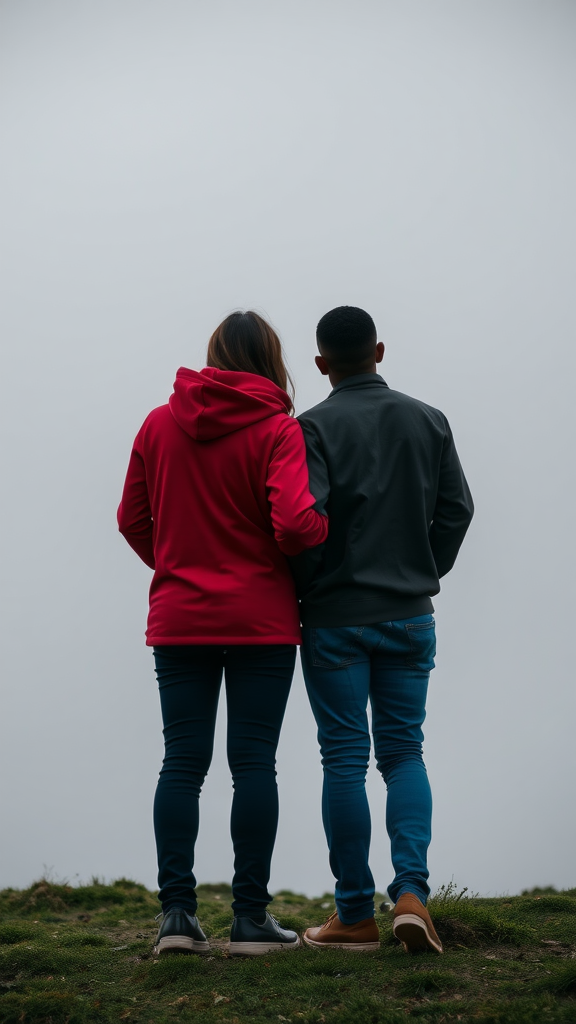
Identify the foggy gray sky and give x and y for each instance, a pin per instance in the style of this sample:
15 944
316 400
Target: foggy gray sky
166 161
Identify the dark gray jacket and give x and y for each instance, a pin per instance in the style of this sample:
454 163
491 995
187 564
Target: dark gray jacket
385 469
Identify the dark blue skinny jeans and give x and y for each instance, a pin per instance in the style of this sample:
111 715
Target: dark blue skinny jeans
389 664
258 679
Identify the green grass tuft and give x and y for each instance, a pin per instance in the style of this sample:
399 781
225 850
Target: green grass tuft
45 897
562 980
540 906
11 934
471 925
48 1008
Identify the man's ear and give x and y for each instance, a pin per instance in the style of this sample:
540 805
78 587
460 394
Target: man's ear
322 365
379 352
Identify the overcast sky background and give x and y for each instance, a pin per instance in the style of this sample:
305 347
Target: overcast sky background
167 161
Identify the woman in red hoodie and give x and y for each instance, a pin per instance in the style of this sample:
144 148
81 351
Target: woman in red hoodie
216 496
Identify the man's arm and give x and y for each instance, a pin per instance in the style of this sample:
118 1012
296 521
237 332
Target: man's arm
454 508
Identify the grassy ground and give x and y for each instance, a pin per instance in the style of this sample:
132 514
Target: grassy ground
73 955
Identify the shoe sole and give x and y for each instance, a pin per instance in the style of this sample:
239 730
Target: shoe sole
180 944
260 948
415 935
360 947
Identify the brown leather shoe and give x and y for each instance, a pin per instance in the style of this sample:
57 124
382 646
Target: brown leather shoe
413 925
363 935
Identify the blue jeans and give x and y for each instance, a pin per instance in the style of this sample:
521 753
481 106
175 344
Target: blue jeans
388 663
258 679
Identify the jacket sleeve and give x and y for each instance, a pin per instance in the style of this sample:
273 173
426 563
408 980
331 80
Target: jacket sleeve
454 508
295 522
134 513
305 565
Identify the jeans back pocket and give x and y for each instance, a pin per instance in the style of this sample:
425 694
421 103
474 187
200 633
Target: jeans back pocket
422 638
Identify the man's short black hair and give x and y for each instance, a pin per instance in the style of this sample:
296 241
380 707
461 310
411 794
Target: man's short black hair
346 337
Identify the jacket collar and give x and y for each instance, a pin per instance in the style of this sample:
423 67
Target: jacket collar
359 380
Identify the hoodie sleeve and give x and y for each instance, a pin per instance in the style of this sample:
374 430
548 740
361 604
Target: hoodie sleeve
134 512
305 565
296 523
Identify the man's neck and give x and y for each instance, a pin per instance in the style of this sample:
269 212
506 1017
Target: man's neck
336 378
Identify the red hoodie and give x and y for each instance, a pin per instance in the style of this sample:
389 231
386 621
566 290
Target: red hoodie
215 496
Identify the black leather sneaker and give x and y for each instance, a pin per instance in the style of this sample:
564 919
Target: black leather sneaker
248 938
181 932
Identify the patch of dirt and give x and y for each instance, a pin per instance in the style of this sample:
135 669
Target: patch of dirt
455 933
561 949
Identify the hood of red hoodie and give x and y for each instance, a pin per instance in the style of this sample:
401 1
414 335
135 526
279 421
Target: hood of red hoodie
212 403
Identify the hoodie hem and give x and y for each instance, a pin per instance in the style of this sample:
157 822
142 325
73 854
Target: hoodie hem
160 641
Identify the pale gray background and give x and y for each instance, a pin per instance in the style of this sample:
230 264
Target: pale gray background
166 161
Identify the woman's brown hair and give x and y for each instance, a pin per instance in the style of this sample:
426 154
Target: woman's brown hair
247 343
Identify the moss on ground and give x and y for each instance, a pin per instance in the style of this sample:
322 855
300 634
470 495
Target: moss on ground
73 955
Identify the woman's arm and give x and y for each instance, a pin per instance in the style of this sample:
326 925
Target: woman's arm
134 513
296 523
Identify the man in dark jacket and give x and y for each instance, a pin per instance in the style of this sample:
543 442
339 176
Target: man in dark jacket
385 468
